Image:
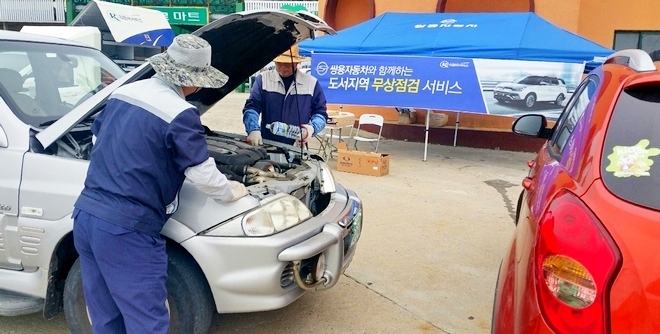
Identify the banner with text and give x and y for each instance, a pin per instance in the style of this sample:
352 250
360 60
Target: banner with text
492 86
400 81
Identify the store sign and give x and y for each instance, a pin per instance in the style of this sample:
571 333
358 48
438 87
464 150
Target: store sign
194 16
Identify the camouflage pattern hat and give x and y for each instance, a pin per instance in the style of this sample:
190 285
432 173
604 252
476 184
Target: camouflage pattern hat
187 63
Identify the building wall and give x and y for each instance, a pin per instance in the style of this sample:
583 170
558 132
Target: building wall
355 11
600 18
423 6
565 14
595 20
471 6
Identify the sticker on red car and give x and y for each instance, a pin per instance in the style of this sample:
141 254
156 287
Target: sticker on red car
626 161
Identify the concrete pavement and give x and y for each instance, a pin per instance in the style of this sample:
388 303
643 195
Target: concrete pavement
427 261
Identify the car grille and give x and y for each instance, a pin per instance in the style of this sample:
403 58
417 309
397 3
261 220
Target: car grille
306 268
287 276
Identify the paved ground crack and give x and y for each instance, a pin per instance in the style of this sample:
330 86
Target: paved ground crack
500 186
397 304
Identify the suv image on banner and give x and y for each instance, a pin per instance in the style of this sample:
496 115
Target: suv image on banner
532 89
296 231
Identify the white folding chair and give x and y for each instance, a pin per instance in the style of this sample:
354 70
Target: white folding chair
368 119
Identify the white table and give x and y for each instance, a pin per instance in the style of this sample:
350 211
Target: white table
331 132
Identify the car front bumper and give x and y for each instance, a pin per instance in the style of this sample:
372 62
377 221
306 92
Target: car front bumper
249 274
503 95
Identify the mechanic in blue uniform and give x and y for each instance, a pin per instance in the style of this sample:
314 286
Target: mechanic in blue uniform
148 139
284 95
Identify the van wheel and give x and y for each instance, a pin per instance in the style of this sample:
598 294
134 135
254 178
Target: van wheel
189 297
559 100
530 100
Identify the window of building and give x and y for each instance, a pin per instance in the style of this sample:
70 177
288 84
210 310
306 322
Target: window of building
648 41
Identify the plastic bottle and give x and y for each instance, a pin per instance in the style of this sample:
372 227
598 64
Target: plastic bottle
286 130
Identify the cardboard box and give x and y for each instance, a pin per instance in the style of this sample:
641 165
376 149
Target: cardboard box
406 119
359 162
438 120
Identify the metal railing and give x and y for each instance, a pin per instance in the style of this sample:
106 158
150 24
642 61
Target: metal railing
311 6
32 11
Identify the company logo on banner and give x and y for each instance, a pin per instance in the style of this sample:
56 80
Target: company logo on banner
133 25
400 81
120 17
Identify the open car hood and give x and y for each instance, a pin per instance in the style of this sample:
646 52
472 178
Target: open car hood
242 44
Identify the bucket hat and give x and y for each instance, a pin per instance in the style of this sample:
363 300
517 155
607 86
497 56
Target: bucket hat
290 56
187 63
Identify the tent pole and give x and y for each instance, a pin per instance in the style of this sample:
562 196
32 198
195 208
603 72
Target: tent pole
426 134
458 115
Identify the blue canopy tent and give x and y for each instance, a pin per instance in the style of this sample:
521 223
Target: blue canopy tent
516 36
499 36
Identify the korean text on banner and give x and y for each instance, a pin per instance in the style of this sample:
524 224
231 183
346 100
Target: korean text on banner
418 82
135 25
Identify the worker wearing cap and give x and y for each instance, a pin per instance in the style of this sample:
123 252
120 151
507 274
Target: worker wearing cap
148 140
284 95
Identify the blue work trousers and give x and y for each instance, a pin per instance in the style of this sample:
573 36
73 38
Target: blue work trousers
124 274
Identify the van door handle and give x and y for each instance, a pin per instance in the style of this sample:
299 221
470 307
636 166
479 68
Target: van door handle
528 183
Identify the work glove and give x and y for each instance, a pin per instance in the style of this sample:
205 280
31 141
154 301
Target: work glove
238 189
307 132
254 138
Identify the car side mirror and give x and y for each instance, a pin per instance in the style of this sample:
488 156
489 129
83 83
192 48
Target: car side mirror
531 125
3 138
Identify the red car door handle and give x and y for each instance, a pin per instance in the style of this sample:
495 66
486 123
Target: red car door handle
527 183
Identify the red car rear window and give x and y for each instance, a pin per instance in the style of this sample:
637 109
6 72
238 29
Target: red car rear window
630 165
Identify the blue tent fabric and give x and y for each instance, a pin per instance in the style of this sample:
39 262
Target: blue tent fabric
516 36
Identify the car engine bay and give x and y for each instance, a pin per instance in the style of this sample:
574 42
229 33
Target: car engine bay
266 170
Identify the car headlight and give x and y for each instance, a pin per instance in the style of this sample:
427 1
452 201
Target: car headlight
517 89
275 214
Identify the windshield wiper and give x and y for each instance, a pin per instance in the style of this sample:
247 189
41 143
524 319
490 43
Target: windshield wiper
48 122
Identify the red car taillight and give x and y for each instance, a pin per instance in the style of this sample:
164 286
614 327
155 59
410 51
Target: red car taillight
576 261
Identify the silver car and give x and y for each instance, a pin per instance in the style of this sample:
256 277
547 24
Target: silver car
297 231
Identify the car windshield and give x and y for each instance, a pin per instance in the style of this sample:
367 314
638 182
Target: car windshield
630 164
45 81
530 80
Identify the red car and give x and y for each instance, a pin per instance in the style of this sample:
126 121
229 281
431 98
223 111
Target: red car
585 256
